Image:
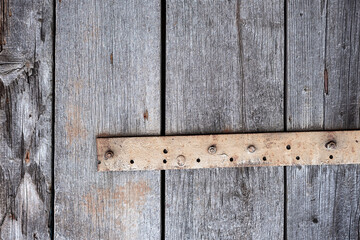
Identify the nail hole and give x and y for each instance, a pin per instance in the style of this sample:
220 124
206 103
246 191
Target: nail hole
315 220
164 161
331 156
288 147
132 161
264 158
198 160
297 158
231 159
165 151
99 162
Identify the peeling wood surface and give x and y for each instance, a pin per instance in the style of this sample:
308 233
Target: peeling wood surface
107 83
230 150
224 73
323 52
26 64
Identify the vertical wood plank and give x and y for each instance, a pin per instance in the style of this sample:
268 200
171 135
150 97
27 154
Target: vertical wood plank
323 93
26 63
107 83
224 73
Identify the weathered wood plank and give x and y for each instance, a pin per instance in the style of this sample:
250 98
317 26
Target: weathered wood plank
107 83
323 93
228 150
224 73
26 53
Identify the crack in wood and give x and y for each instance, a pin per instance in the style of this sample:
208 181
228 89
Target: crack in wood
4 13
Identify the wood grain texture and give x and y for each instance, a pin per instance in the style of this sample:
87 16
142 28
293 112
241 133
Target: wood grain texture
26 66
107 83
323 93
228 150
224 73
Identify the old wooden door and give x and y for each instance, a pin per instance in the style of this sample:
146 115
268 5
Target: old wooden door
74 70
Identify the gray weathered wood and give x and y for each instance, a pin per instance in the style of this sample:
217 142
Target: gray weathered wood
323 46
107 83
26 53
224 73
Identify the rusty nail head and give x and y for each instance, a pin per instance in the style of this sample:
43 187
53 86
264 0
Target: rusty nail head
331 145
212 149
109 154
251 148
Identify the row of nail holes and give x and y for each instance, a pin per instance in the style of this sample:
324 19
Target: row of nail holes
288 147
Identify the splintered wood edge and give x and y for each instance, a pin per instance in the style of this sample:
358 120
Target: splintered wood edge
230 150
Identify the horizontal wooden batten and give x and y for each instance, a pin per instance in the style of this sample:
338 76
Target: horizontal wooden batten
229 150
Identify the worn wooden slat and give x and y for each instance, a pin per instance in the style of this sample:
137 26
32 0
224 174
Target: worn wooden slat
228 150
224 73
107 83
26 54
323 93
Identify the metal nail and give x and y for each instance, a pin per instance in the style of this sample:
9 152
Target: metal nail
212 149
331 145
251 148
181 160
109 154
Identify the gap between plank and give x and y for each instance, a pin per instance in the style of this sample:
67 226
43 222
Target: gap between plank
285 114
52 204
162 109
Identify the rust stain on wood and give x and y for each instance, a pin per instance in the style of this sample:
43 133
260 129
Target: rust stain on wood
4 13
104 135
27 157
227 130
326 82
78 84
74 128
111 59
130 197
146 115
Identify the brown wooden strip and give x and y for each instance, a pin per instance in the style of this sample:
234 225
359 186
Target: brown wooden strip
230 150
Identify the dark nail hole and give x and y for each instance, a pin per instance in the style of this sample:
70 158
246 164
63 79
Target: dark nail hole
198 160
331 156
264 158
315 220
99 162
165 151
231 159
132 161
297 158
288 147
164 161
